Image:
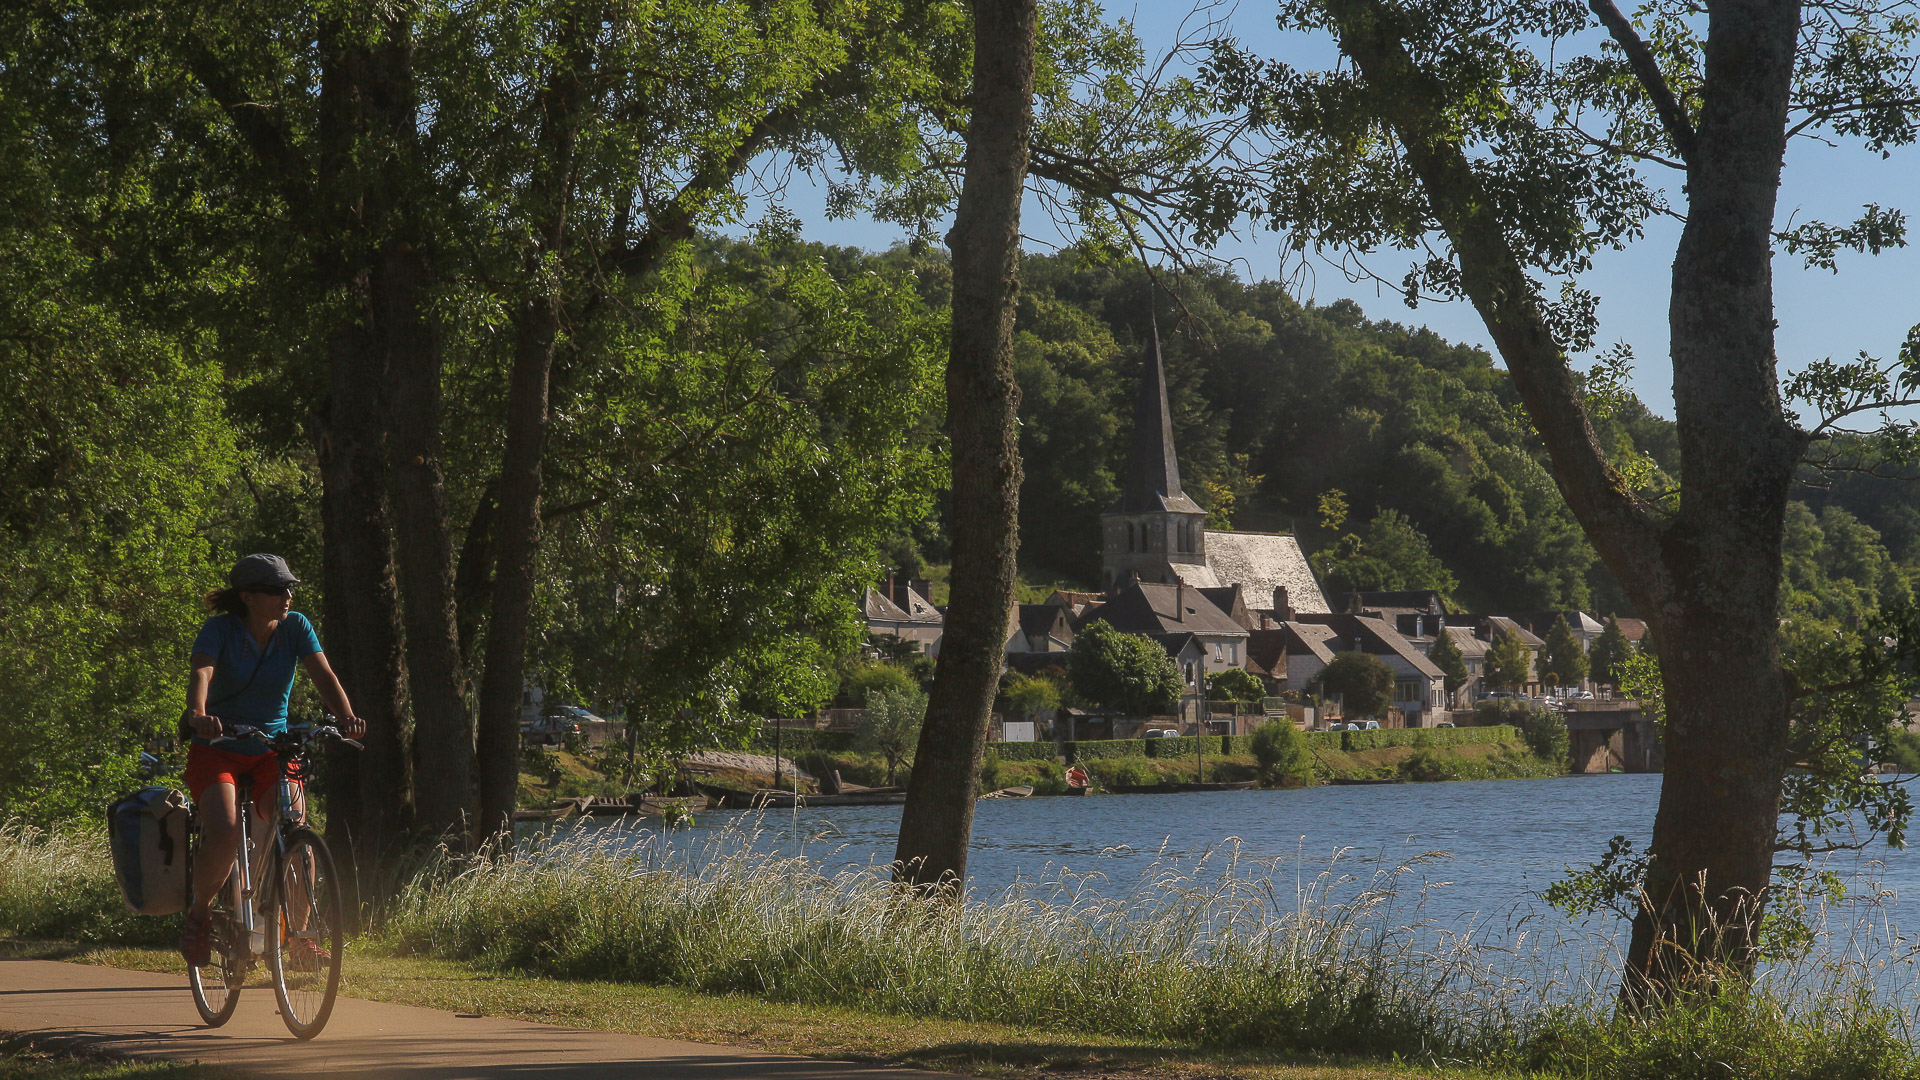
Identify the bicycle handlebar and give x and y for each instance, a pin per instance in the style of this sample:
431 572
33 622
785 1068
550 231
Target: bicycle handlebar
325 733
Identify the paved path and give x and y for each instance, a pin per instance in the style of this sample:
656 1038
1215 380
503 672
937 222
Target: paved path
149 1015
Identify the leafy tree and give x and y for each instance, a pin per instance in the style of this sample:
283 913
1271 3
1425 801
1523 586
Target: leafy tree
1544 729
1561 655
861 681
1392 555
1029 694
891 725
1608 652
1282 753
1424 132
1363 681
1446 656
1122 671
1235 684
1508 662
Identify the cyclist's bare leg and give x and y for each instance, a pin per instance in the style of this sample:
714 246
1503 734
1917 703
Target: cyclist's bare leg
219 845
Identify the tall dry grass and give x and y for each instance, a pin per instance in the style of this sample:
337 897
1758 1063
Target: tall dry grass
1218 952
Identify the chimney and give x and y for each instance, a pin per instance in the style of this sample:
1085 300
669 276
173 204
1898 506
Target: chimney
1282 611
1180 601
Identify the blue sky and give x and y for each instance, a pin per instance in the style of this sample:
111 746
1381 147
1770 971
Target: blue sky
1868 305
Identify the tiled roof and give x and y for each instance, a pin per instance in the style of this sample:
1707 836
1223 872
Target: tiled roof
1144 608
1258 562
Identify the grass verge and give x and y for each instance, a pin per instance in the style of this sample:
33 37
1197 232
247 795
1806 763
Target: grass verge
972 1048
1202 970
23 1058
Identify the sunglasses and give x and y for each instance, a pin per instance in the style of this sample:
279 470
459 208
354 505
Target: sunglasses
269 590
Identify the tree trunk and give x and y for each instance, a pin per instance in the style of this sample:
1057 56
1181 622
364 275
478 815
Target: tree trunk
1708 578
1720 654
363 628
517 541
936 824
517 516
443 744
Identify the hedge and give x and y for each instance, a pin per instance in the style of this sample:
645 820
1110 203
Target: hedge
840 742
1374 740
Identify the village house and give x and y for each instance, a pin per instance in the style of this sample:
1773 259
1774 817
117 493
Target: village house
1200 637
907 614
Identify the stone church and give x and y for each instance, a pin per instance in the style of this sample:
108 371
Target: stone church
1156 533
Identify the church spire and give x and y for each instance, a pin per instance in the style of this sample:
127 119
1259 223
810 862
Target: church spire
1152 482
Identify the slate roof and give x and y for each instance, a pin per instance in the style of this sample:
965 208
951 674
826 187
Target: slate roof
1266 647
1344 628
1464 639
1412 601
1633 629
880 609
1152 483
1159 610
1257 562
1040 620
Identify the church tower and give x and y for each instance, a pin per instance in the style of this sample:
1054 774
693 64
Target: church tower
1154 525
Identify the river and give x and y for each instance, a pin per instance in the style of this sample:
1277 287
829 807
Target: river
1505 840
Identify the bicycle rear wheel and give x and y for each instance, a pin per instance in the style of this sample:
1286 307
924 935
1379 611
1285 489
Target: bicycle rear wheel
216 984
305 935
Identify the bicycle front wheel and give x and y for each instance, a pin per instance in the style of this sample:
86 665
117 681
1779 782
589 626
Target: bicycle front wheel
304 933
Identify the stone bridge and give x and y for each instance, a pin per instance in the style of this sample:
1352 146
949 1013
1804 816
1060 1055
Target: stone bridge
1612 736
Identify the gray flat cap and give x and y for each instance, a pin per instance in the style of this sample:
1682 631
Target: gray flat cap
257 570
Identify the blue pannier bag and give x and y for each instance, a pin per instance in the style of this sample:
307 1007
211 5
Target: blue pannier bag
147 831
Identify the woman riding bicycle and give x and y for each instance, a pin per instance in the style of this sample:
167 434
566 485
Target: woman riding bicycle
242 673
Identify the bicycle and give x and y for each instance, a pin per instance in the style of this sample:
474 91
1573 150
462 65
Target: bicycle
296 920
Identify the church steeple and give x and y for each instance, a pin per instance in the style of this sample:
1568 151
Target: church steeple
1154 532
1152 483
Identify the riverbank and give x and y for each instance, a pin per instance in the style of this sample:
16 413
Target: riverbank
1190 973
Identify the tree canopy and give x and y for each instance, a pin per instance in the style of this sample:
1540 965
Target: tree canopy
1117 670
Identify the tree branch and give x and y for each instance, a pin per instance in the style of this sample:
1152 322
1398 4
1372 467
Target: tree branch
1494 278
264 136
1647 70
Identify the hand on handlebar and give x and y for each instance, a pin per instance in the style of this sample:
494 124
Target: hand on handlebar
351 726
205 726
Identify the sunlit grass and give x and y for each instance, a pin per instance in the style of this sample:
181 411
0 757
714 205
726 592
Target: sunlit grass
1217 967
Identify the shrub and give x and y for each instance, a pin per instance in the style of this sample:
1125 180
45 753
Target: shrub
1235 684
1427 766
990 771
1544 729
1112 771
1282 753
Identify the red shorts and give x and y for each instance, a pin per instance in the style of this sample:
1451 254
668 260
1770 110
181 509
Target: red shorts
210 765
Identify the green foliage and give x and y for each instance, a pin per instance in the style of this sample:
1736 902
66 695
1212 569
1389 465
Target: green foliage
1282 753
1126 772
1561 656
1313 398
1028 694
1235 684
861 679
1446 655
1122 671
891 726
1425 766
1393 554
1544 729
1363 681
1508 662
1608 652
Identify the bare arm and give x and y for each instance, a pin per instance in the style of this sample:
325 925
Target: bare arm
198 679
335 695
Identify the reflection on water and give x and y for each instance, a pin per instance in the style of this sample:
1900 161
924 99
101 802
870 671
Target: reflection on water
1506 839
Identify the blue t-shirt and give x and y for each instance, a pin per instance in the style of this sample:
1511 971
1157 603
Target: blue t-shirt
239 694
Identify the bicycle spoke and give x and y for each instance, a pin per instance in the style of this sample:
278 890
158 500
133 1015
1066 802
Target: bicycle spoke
305 934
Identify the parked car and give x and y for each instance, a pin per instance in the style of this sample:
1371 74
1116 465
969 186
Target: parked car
1370 725
1160 733
1445 723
